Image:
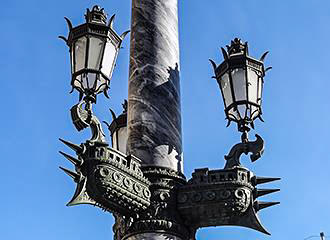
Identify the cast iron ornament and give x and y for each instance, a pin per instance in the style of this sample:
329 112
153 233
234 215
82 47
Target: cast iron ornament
157 199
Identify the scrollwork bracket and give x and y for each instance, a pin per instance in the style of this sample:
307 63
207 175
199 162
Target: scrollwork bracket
256 148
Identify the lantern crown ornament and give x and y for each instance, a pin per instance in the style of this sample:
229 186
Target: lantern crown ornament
94 48
240 78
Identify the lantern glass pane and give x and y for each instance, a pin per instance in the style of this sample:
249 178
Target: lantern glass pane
242 110
71 61
88 80
239 82
120 142
109 57
95 52
122 139
226 90
252 85
114 141
80 53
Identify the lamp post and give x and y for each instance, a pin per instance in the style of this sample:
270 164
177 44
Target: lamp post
139 179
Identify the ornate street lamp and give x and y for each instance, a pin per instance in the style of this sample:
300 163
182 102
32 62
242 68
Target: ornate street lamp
147 194
240 78
94 47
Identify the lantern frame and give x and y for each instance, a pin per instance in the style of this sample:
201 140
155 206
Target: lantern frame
237 58
95 27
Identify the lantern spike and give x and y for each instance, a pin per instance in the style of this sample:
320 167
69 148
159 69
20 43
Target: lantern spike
111 21
68 22
261 205
261 119
228 123
106 123
261 180
224 53
123 35
267 69
73 160
264 56
262 192
75 176
63 38
76 148
71 91
106 93
113 114
213 65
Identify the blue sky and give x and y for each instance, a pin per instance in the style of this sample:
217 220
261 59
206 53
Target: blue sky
35 112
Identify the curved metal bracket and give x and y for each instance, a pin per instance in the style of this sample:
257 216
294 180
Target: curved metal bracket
83 118
256 148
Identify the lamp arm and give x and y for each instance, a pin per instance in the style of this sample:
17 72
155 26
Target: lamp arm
83 118
256 148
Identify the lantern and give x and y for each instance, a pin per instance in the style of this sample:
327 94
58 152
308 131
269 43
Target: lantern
240 78
118 129
94 47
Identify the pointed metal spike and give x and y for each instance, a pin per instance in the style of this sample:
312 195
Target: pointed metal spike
261 119
105 92
260 180
213 64
262 192
267 69
71 90
261 205
63 38
224 53
228 123
112 114
75 161
76 148
74 175
123 35
106 123
68 22
111 21
264 56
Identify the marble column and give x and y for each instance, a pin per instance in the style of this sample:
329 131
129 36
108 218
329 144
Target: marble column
154 117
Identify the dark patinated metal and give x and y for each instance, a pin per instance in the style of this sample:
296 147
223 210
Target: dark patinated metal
95 28
154 199
242 109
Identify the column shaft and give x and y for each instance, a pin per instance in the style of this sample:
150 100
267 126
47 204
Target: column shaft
154 117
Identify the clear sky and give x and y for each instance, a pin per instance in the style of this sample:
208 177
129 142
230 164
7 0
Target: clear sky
35 86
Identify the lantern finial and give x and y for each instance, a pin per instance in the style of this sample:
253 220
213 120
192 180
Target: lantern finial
97 15
237 46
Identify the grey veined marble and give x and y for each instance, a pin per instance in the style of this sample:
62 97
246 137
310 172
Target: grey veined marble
154 117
